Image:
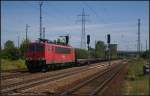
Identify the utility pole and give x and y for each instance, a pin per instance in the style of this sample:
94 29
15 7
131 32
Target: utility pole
95 48
27 26
83 35
41 3
146 45
141 47
18 41
43 32
139 39
149 56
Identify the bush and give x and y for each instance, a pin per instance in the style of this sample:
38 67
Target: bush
7 64
81 53
145 54
10 51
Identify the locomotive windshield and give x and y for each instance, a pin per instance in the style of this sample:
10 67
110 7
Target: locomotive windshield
36 48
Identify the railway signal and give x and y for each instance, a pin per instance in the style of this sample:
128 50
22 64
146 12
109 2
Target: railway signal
108 38
88 39
108 41
88 42
27 26
67 39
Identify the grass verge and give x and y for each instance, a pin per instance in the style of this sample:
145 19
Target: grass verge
12 64
135 82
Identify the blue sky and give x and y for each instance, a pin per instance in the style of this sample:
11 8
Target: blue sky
118 18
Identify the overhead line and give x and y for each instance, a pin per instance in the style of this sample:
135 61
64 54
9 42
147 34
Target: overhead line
91 9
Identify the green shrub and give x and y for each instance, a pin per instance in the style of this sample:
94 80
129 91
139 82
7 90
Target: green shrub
7 64
81 53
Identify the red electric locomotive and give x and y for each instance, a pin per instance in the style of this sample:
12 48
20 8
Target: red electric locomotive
42 55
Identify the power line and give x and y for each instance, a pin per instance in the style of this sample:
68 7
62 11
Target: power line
91 9
83 35
141 47
41 3
139 38
18 41
27 26
146 45
43 32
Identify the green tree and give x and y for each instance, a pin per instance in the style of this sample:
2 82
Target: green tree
3 54
9 44
145 54
81 53
10 51
92 52
24 46
100 49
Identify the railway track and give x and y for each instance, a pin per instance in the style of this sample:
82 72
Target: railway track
12 75
18 87
26 79
94 85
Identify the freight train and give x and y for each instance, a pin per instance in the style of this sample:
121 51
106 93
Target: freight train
42 55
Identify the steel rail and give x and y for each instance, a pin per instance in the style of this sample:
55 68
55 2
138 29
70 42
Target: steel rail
97 90
100 73
35 81
14 75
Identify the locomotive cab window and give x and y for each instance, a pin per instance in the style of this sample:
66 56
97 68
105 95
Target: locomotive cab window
36 48
62 50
